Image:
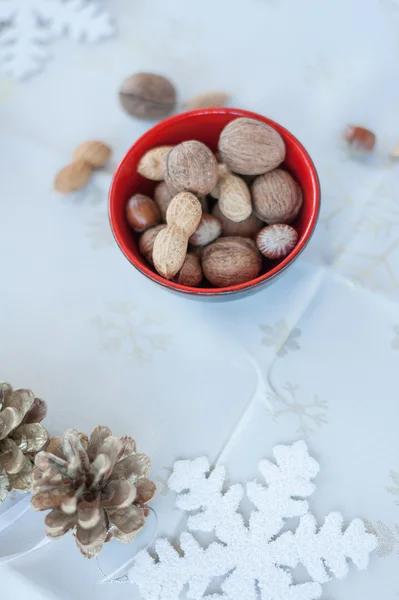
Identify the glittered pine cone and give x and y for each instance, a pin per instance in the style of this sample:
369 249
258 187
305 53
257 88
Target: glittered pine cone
21 437
95 487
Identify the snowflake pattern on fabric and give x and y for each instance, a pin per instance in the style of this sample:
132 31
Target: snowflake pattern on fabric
28 27
253 559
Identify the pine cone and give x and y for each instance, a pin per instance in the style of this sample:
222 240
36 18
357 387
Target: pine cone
95 487
21 437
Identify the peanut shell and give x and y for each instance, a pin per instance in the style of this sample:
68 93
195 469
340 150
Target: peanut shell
72 177
95 153
185 212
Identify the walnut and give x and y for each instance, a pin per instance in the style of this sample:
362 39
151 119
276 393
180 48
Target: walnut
250 147
191 166
230 261
276 197
147 96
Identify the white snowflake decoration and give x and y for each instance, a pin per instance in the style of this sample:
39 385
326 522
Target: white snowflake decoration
255 559
27 27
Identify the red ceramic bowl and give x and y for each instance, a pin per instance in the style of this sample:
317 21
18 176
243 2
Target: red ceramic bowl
206 126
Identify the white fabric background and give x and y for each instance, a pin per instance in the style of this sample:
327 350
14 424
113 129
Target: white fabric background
103 345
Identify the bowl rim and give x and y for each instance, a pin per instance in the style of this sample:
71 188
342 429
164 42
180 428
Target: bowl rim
248 285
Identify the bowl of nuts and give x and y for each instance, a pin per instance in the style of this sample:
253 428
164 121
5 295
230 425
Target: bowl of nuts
215 201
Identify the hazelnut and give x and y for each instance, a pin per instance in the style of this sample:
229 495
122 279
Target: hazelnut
276 197
146 242
191 272
95 153
191 166
277 241
147 96
360 140
207 231
247 228
250 147
231 260
142 213
162 198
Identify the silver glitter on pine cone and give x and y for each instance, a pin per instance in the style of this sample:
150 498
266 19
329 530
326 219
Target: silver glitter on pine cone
96 487
21 437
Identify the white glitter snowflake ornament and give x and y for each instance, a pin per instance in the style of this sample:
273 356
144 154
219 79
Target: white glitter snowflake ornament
27 27
253 560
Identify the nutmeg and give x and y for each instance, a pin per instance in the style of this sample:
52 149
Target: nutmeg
146 242
191 272
142 213
95 153
230 261
191 166
207 231
247 228
276 197
147 96
250 147
72 177
276 241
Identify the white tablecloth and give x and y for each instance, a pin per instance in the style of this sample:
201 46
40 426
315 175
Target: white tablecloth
314 356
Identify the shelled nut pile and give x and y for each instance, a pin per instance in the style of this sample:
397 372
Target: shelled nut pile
208 213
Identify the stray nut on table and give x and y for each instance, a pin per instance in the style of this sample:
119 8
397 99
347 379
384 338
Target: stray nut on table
86 157
147 96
